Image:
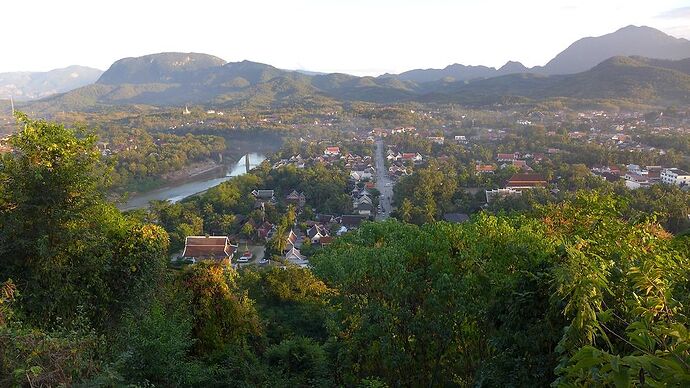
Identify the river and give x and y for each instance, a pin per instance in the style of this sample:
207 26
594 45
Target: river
181 190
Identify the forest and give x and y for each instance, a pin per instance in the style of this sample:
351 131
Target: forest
575 292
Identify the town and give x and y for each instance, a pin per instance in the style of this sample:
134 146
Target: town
391 172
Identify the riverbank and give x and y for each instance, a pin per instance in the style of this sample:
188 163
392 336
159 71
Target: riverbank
184 188
194 170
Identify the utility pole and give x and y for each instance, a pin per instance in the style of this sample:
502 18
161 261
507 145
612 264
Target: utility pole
12 104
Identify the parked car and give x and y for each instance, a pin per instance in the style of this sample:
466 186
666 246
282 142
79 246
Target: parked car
245 257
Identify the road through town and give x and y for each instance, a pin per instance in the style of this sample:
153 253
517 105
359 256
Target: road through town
383 182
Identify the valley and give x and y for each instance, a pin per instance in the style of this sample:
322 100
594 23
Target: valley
191 218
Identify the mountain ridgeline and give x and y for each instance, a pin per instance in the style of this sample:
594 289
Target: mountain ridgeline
187 78
619 78
580 56
634 64
629 41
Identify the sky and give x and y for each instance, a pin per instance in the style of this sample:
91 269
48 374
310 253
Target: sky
351 36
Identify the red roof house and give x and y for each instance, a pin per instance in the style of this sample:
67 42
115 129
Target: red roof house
208 248
526 181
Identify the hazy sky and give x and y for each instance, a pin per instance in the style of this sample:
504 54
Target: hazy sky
352 36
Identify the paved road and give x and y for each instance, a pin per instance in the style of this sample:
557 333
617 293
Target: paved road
383 182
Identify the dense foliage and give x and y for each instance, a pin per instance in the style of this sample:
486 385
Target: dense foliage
576 296
589 290
142 160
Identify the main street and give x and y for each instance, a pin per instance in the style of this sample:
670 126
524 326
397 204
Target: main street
383 183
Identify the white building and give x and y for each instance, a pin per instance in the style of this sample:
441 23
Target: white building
492 194
635 181
436 139
461 139
675 176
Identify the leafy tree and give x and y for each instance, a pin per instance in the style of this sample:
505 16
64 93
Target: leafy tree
298 362
155 345
292 302
223 315
65 247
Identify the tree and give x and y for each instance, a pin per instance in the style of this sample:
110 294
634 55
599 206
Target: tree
68 250
223 315
248 230
298 362
400 307
405 210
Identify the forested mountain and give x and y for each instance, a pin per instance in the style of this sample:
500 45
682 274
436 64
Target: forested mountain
458 72
454 72
634 79
32 85
179 79
167 80
158 68
192 78
632 40
580 56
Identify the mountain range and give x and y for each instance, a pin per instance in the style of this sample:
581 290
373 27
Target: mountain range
580 56
635 79
32 85
174 79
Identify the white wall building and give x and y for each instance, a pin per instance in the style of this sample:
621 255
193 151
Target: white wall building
675 176
492 194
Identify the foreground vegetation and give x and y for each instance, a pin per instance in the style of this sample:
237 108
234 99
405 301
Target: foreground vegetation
572 293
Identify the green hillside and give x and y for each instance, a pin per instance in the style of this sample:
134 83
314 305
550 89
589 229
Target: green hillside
172 79
620 78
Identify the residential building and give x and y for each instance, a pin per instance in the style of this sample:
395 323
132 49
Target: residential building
635 181
265 231
326 240
325 218
264 195
351 221
484 169
316 233
290 240
675 176
294 256
411 156
507 157
296 198
332 151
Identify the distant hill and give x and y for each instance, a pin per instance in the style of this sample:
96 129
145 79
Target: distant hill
34 85
578 57
619 78
176 79
180 78
455 72
641 41
458 72
157 68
